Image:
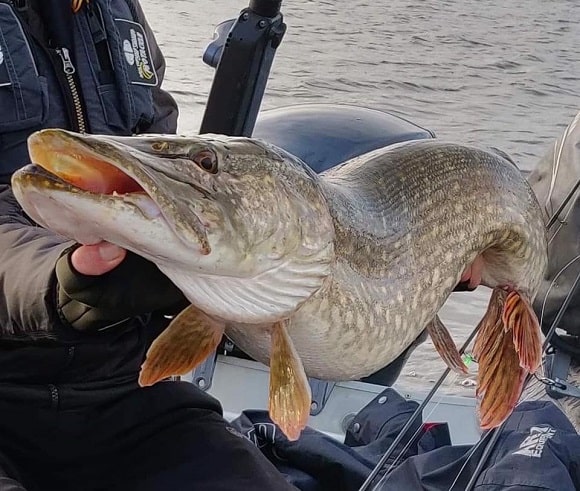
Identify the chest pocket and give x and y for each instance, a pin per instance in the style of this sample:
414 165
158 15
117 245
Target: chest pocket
23 93
120 61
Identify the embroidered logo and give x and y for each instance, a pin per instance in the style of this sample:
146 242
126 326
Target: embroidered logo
141 56
262 434
137 53
533 445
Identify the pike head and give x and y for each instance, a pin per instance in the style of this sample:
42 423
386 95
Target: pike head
241 227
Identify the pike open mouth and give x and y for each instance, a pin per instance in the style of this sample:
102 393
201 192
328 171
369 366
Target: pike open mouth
67 163
104 169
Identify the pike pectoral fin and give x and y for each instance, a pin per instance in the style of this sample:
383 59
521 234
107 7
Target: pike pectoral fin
445 346
190 338
290 395
506 350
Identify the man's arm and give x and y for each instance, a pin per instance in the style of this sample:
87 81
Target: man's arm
166 111
28 254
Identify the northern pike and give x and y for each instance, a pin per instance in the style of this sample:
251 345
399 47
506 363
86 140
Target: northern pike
332 275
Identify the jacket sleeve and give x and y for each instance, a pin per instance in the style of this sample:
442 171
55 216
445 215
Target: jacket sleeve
166 111
28 254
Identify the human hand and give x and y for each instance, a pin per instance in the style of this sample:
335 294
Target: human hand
472 276
103 284
98 259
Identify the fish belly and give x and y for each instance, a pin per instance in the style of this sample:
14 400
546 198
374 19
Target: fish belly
331 347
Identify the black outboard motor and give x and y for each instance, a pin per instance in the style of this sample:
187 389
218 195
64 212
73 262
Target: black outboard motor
324 135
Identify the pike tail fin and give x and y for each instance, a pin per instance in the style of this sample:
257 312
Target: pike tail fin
520 319
507 348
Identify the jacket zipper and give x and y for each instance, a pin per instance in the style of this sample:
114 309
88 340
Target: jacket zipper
69 89
69 70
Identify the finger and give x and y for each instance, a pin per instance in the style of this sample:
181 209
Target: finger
98 259
476 272
472 275
466 275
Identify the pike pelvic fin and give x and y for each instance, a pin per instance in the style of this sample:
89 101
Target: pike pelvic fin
445 346
190 338
290 396
507 348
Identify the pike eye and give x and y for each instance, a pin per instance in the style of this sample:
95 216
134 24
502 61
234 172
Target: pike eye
207 160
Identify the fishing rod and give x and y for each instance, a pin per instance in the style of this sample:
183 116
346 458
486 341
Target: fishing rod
242 53
381 463
565 202
556 340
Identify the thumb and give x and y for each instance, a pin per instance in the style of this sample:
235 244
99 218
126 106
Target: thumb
98 259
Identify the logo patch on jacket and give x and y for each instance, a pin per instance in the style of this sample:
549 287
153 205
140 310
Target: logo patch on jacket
262 434
533 445
138 58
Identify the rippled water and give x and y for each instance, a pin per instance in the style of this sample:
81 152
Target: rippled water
489 72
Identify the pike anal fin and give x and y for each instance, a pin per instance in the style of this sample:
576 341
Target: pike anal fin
290 396
445 346
507 348
190 338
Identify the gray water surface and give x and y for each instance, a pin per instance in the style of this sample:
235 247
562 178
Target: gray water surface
503 73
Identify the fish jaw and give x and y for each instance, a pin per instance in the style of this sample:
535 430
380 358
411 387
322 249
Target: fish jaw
247 243
134 223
